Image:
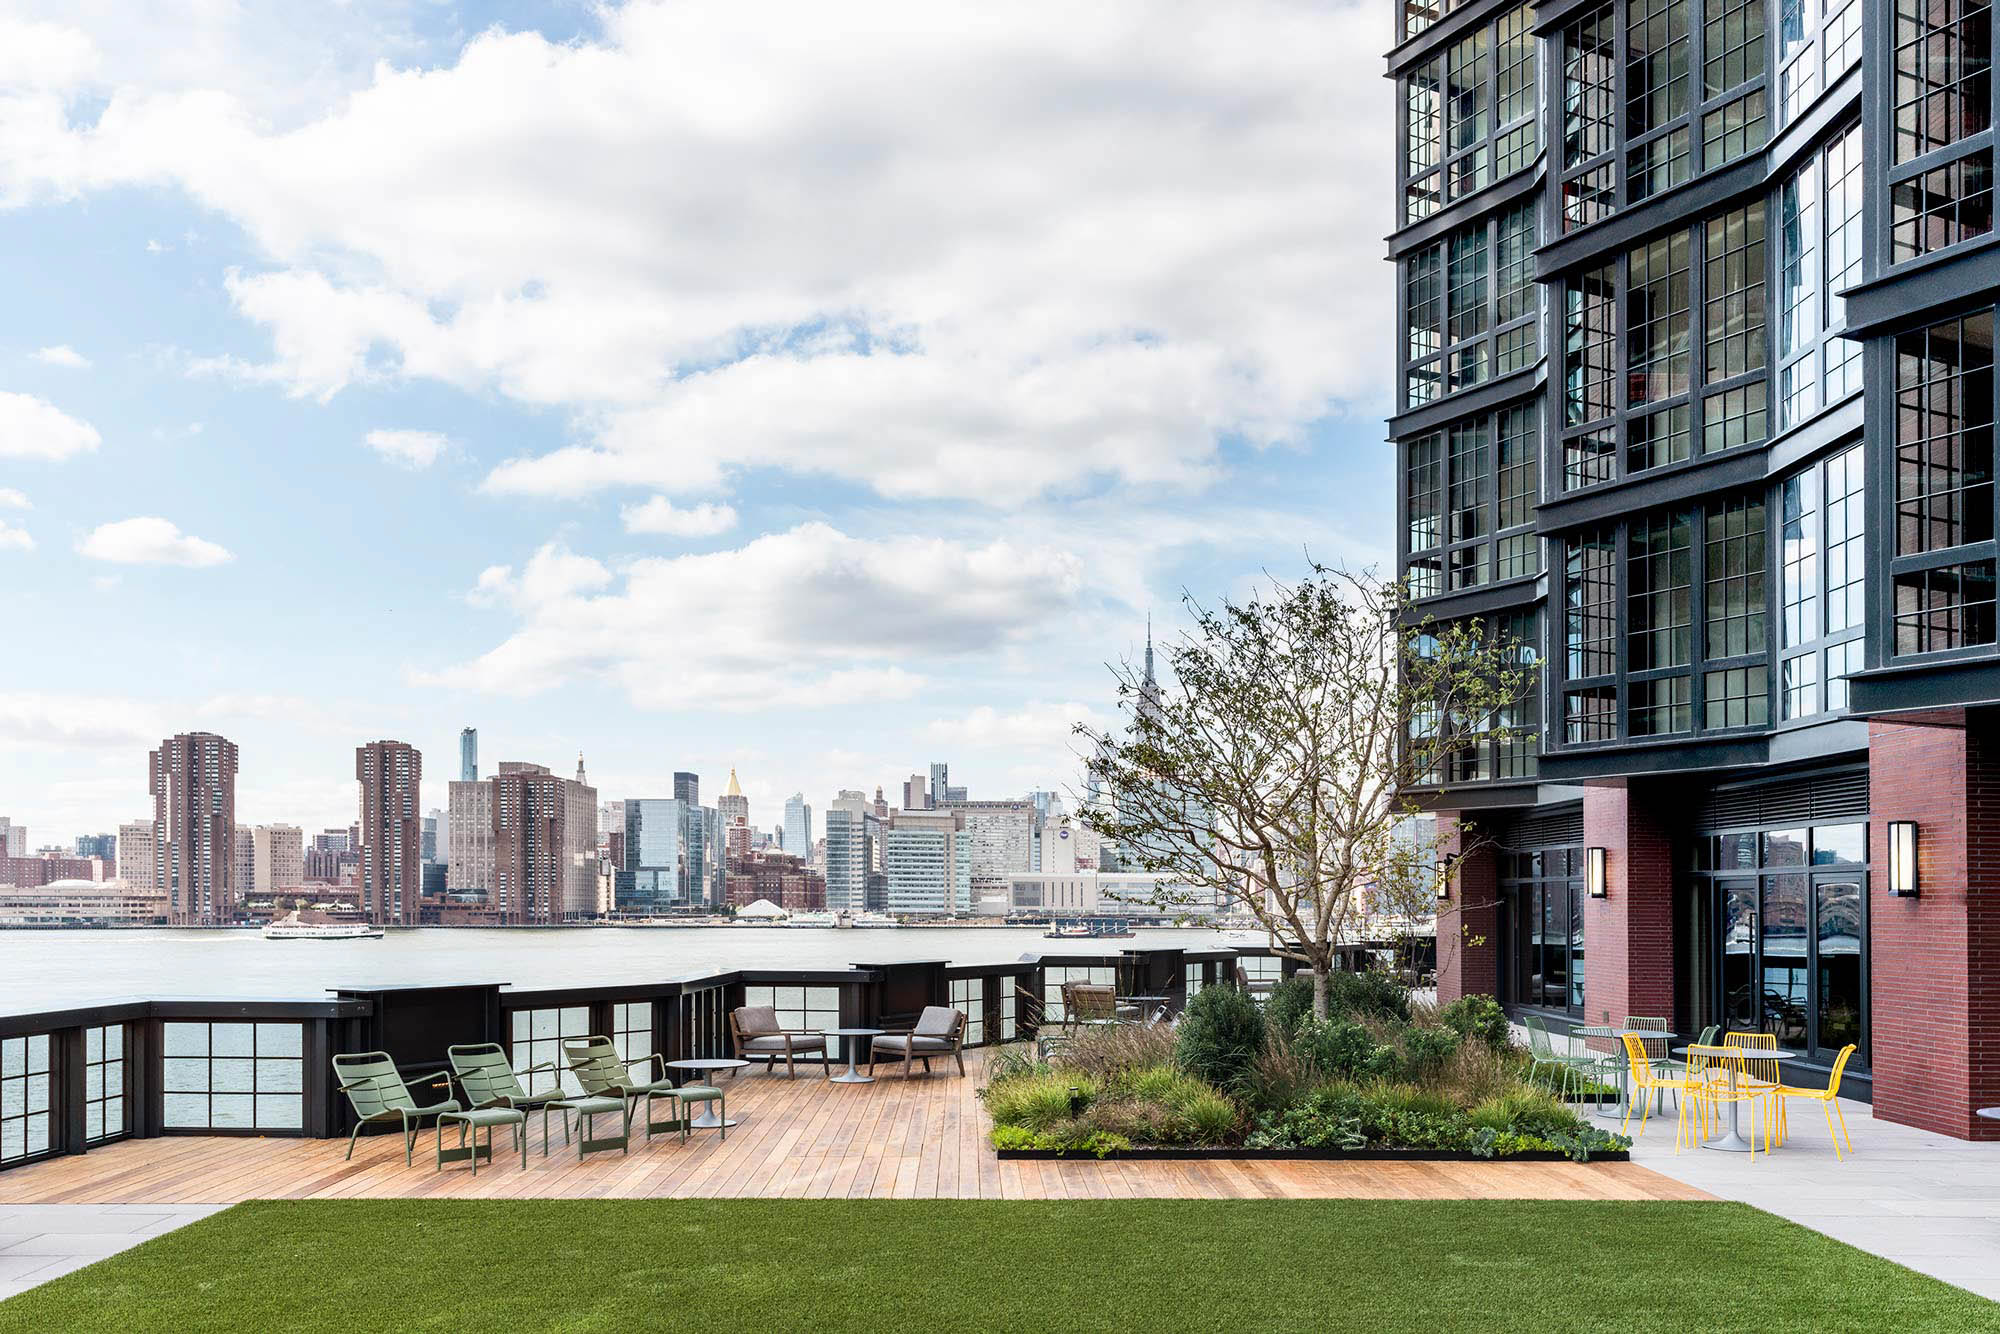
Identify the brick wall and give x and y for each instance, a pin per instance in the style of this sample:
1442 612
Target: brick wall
1628 936
1935 960
1468 925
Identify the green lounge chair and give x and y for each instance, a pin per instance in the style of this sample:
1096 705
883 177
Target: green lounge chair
605 1074
474 1120
376 1091
490 1080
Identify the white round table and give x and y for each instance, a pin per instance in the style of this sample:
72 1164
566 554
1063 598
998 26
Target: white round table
1731 1140
849 1037
709 1065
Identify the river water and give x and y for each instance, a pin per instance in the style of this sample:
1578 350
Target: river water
49 970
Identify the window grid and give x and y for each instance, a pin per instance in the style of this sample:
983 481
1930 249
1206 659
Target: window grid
1944 436
1053 977
1821 572
1941 207
1470 307
1590 605
1657 90
537 1040
1660 593
1732 43
968 997
632 1031
1457 498
232 1076
1469 115
1656 320
1733 290
1736 697
1942 84
1734 573
25 1097
103 1082
1589 102
1946 607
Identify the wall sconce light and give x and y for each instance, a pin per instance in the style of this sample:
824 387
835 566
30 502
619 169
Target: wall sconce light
1443 884
1903 858
1593 871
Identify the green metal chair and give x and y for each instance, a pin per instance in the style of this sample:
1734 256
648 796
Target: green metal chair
376 1091
475 1120
1564 1071
605 1074
489 1079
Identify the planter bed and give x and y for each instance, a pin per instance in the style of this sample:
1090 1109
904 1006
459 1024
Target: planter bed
1311 1155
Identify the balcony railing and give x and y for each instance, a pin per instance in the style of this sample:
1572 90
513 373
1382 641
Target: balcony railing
71 1080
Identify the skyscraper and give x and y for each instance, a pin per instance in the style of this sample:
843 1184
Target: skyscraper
104 847
914 796
940 780
733 806
798 835
392 879
243 848
278 856
135 853
468 755
13 838
687 788
469 836
1001 835
192 780
850 851
927 863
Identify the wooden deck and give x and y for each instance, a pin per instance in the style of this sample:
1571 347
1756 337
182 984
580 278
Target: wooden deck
802 1138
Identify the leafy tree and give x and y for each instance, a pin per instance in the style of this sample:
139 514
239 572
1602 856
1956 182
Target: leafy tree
1268 776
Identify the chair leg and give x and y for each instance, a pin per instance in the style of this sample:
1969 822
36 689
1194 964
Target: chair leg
1843 1123
958 1054
722 1115
410 1139
351 1135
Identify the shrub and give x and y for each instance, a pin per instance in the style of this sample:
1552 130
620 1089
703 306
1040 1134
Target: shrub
1219 1036
1107 1050
1289 1003
1478 1018
1037 1101
1426 1050
1368 995
1345 1049
1075 1137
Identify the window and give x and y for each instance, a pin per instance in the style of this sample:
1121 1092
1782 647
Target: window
1733 326
1820 569
1518 551
1819 227
1589 350
632 1030
103 1082
1944 435
1817 41
230 1076
1732 130
1543 891
1941 207
537 1041
1590 626
1944 607
24 1097
802 1009
1656 320
1055 974
968 996
1471 307
1734 570
1657 88
1942 86
1659 616
1424 484
1589 102
1456 498
1469 115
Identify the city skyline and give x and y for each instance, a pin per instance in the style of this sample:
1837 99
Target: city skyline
814 508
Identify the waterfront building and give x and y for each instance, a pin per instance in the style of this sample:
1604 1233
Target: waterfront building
1696 403
1001 835
1139 895
543 864
797 836
778 877
850 855
104 847
427 845
927 863
733 806
192 780
81 902
469 836
687 788
468 755
135 852
13 838
334 840
277 857
391 777
47 868
663 869
243 849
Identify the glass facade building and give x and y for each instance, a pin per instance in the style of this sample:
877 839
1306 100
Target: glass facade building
1696 400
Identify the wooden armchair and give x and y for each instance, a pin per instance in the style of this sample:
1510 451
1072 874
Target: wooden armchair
939 1032
757 1036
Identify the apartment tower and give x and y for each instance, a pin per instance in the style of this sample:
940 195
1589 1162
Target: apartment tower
391 777
192 780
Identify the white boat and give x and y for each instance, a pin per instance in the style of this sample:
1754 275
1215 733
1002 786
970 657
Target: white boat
820 919
296 930
876 919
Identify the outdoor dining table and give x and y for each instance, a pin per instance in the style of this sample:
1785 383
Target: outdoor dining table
1619 1108
708 1066
851 1039
1148 1005
1731 1140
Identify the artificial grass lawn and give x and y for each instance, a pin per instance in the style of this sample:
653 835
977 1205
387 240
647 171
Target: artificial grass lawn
519 1265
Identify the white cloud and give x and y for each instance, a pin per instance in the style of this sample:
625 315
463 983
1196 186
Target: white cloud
989 254
15 539
801 619
41 720
409 449
43 55
10 499
150 541
660 515
32 428
62 354
1038 725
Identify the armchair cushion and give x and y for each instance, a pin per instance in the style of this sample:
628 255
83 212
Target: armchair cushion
756 1020
800 1043
915 1042
937 1021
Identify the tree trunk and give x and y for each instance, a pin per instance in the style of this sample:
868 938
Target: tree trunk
1321 1001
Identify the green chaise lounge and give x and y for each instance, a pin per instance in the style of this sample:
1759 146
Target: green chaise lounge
604 1073
376 1091
490 1081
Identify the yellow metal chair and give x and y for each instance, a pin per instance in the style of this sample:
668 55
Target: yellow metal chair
1646 1083
1828 1099
1757 1081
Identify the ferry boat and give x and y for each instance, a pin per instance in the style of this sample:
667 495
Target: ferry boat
877 920
1090 928
296 930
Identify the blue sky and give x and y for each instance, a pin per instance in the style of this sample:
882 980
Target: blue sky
821 392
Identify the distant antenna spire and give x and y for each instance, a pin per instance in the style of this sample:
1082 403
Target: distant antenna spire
579 768
1149 648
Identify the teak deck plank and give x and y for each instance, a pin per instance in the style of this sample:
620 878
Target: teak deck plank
803 1137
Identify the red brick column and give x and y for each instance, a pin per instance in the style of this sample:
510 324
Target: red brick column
1934 961
1469 924
1628 935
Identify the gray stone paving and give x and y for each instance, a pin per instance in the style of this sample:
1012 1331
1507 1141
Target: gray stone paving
39 1242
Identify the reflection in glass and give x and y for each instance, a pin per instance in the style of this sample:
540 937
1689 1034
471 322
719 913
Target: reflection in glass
1739 925
1840 844
1575 945
1784 956
1839 963
1785 847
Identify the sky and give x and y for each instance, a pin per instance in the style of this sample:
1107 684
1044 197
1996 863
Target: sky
814 390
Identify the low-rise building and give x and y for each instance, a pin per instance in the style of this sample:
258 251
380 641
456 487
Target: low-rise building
83 903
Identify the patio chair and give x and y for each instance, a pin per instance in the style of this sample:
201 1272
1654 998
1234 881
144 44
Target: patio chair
939 1032
1646 1083
376 1091
605 1074
488 1079
1828 1098
485 1118
1258 990
1087 1003
756 1034
1562 1069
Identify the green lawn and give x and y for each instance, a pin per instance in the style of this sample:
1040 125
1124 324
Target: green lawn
1153 1265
